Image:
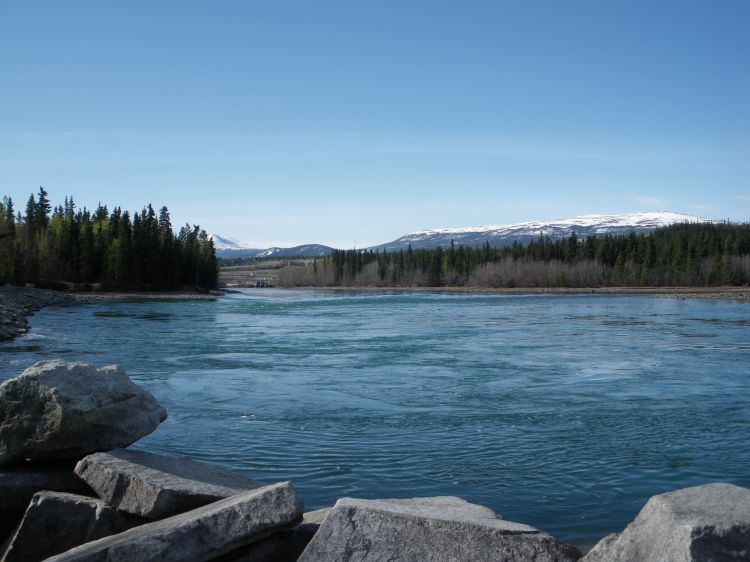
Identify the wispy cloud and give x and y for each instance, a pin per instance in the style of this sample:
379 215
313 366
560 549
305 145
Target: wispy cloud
699 207
648 201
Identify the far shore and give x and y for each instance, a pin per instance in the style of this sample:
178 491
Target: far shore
85 297
726 292
723 292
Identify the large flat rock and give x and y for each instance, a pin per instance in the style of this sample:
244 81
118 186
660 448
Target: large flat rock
201 534
699 524
55 522
421 529
61 410
156 486
20 483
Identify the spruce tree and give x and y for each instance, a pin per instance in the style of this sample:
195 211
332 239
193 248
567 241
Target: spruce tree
42 209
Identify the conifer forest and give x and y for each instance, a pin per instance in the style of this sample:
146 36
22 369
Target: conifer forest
688 254
70 247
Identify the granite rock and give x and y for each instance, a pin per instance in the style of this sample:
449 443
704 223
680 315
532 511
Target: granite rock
55 522
204 533
19 484
698 524
60 410
428 529
283 546
156 486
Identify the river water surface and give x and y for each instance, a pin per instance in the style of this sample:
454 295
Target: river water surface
563 412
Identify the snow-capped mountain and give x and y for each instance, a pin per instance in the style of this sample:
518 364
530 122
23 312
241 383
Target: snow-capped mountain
306 250
227 247
225 243
506 234
474 236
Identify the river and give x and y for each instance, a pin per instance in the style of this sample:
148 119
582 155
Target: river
565 412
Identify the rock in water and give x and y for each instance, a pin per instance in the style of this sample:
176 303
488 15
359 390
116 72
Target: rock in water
699 524
55 522
440 528
57 410
200 534
155 486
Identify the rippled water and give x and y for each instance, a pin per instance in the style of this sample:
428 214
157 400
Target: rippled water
564 412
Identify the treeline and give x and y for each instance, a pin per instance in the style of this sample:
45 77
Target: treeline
705 254
111 249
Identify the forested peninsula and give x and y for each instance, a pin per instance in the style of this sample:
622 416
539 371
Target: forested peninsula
70 248
681 255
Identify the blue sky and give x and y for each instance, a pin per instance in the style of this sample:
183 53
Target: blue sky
355 122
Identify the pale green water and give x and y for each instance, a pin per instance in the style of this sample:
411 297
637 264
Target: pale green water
564 412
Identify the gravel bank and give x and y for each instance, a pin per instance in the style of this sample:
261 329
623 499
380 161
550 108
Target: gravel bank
146 295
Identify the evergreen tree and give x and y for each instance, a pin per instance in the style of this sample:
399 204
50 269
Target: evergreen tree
42 209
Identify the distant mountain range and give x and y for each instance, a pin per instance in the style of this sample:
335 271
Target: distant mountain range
230 248
498 235
504 235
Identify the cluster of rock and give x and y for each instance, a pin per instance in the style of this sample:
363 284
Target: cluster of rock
70 491
17 303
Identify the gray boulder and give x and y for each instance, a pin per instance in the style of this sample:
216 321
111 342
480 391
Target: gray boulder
283 546
155 486
201 534
699 524
19 484
428 529
57 409
55 522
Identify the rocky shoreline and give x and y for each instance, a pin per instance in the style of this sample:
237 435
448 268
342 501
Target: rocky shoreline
72 490
17 303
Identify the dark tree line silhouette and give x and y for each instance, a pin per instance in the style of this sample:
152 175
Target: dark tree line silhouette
702 254
114 249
